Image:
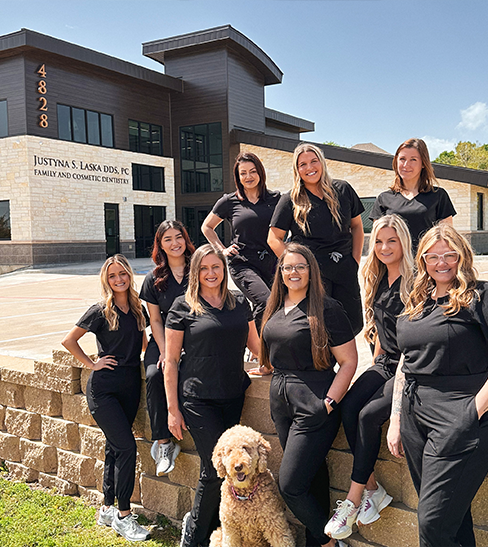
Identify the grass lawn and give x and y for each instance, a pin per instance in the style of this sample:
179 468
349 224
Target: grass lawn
36 518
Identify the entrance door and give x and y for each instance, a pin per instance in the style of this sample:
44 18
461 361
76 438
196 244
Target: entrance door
112 228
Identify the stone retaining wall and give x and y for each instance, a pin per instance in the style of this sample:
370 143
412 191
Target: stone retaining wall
47 434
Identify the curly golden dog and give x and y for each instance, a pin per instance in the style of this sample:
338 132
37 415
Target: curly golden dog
251 509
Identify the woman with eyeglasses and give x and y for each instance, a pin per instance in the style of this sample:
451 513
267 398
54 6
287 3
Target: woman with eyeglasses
441 390
413 194
304 334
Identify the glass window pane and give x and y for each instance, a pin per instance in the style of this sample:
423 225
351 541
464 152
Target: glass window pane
5 220
157 177
215 138
133 136
64 122
145 142
203 181
3 119
201 143
107 130
79 128
145 177
187 181
156 140
217 180
93 123
186 143
216 161
136 182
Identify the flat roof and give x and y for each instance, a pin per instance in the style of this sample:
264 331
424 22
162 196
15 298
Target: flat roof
26 39
291 121
225 34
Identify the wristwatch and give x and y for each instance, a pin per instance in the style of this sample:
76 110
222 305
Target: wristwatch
333 404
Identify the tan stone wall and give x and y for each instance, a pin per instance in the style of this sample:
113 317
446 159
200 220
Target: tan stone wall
60 205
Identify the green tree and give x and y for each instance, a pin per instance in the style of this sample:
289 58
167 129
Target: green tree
466 154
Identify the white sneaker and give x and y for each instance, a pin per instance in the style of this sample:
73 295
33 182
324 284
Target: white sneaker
129 528
105 517
165 456
184 529
340 524
373 501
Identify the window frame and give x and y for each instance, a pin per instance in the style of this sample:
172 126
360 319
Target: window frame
102 140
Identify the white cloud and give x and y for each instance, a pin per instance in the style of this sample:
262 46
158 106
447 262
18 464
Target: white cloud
474 117
436 146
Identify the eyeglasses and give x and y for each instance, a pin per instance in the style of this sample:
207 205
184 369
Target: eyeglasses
452 257
299 268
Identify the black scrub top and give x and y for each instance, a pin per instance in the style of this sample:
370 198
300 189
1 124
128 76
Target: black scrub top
212 366
420 213
442 345
289 340
249 221
387 306
125 344
163 299
324 235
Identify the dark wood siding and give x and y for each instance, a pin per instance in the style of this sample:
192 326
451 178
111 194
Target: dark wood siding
12 88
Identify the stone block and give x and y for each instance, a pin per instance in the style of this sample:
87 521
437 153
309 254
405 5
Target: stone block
409 494
340 442
92 442
63 357
19 472
136 493
98 470
187 444
11 394
76 468
259 387
92 495
140 423
2 417
481 535
397 527
75 409
23 423
56 370
390 475
274 458
160 495
60 433
340 467
85 374
59 385
256 414
187 470
9 447
20 375
42 401
145 462
38 456
52 482
479 507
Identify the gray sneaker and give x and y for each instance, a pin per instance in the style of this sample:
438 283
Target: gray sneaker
165 456
129 528
184 529
106 517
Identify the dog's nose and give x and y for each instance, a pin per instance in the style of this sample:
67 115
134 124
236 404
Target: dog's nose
238 467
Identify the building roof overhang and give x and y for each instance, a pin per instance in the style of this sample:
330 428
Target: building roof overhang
290 122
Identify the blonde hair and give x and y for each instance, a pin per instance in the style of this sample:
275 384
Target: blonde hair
108 301
374 270
463 288
192 295
315 307
301 202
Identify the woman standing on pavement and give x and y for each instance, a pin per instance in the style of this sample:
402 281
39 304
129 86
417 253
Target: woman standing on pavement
305 333
114 387
205 390
171 253
388 278
441 391
413 195
249 210
324 215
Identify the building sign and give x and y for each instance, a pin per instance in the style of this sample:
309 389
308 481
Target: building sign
42 90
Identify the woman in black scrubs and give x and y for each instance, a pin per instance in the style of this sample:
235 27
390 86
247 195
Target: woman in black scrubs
443 337
413 195
249 210
114 387
172 251
388 278
325 215
305 333
206 392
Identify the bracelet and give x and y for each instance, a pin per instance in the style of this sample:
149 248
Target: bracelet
333 404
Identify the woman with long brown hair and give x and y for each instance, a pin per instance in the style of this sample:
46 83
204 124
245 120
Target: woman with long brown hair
172 252
325 215
304 334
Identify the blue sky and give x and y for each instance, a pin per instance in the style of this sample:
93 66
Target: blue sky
376 71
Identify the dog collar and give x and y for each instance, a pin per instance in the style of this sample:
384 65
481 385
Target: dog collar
243 498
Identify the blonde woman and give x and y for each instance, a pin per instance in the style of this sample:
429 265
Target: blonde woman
205 390
443 336
388 277
324 215
114 386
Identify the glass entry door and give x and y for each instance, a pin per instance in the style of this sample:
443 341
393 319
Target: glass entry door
112 229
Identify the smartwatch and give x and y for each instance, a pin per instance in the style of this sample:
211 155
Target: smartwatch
333 404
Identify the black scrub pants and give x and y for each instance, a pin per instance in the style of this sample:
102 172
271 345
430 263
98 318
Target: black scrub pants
341 282
206 420
113 399
447 453
306 432
254 279
365 408
157 407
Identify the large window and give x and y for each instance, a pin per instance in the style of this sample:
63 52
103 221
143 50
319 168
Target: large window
201 158
368 205
3 119
146 222
146 138
5 220
147 177
193 218
85 126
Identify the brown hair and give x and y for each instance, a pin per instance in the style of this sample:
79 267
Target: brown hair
427 176
249 157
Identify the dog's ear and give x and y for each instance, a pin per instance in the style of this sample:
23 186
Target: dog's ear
264 448
217 460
